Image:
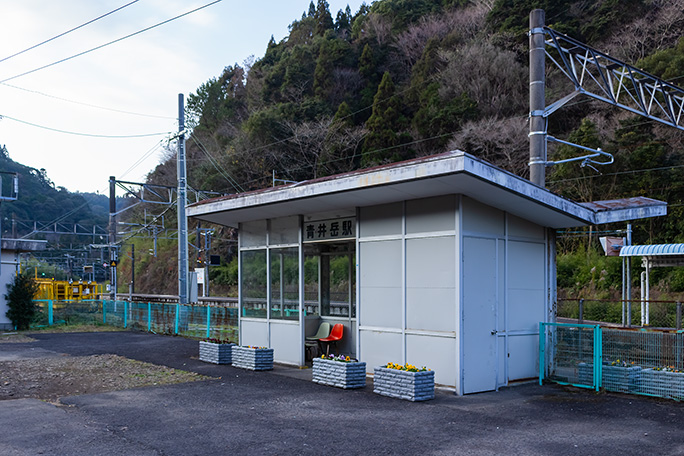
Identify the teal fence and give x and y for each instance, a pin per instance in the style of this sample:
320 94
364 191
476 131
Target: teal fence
200 321
637 361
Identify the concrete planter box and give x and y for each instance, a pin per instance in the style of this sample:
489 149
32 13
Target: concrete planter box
211 352
411 386
339 374
661 383
257 359
621 379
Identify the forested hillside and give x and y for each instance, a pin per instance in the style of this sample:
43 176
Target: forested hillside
40 201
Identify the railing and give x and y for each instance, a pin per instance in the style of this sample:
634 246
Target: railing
636 361
652 313
201 320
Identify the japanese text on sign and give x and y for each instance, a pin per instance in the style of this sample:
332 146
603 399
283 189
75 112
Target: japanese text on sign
324 230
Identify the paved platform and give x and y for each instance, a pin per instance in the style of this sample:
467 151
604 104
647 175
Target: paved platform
282 413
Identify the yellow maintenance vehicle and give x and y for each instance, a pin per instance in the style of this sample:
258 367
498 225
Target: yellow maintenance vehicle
66 290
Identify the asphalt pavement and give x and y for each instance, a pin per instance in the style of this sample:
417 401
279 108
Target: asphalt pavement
281 412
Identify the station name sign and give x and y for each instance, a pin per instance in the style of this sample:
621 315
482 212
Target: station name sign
328 230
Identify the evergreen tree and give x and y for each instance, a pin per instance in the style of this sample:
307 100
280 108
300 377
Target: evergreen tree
21 308
324 20
384 123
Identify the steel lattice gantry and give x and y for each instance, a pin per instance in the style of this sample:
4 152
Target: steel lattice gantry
608 79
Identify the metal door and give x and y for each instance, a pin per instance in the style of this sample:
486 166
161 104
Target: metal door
480 292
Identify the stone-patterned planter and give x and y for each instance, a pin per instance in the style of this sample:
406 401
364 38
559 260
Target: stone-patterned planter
662 383
211 352
411 386
621 379
339 374
252 358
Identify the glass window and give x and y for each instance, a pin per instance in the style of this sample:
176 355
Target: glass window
340 300
285 283
253 270
311 276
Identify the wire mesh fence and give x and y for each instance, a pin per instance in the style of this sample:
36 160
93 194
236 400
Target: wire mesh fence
655 314
636 361
199 321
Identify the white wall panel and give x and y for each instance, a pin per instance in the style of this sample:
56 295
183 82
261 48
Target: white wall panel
522 363
518 227
254 333
382 220
431 284
380 283
431 214
285 340
482 219
435 353
378 348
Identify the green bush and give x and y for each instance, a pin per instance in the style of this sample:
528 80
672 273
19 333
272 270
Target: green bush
21 308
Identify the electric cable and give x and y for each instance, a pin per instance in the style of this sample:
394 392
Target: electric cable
87 104
108 43
68 31
2 116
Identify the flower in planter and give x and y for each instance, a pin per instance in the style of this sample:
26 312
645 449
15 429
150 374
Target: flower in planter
668 369
406 367
217 341
255 347
621 363
341 358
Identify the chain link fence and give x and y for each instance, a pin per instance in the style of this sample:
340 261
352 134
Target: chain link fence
198 321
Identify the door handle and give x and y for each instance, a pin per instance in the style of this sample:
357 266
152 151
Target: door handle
494 332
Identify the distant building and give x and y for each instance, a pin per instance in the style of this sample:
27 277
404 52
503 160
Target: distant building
11 248
444 261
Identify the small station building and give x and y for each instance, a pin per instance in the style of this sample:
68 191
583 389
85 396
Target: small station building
9 267
444 261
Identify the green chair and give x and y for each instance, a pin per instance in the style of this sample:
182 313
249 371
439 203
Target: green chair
312 342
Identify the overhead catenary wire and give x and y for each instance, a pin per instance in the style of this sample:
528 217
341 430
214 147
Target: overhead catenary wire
87 104
108 43
68 31
91 135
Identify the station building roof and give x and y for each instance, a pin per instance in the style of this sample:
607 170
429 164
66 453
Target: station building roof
449 173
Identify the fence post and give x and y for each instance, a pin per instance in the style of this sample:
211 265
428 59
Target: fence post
581 311
542 348
598 357
208 321
125 314
50 313
149 317
104 312
177 317
679 316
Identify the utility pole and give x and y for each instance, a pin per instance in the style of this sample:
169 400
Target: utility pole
112 238
183 288
537 100
132 268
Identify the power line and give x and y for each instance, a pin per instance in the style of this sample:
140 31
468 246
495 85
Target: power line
109 43
68 31
217 166
2 116
87 104
144 156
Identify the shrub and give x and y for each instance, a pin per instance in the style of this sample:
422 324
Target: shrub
21 308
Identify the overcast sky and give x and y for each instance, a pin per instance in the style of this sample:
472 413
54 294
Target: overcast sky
127 88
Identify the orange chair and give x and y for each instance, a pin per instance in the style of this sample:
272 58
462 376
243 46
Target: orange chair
335 335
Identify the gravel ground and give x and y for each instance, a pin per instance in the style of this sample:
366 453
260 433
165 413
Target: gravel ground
50 378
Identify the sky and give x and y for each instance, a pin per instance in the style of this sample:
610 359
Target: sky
110 111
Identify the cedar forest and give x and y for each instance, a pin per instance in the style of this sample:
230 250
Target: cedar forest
400 79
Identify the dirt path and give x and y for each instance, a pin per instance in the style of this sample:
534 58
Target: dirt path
50 378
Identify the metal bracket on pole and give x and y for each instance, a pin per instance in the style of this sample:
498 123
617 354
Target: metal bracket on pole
587 160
